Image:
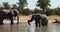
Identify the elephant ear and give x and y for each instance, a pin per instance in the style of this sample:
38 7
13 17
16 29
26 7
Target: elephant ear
11 11
16 11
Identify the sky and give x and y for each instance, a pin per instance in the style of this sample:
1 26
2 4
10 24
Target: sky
32 3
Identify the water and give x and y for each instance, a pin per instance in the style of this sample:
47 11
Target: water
24 27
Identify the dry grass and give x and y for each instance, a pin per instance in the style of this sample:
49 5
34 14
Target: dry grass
50 18
25 18
53 17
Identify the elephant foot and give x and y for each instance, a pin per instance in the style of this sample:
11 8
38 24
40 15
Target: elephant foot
1 23
11 24
43 25
39 25
12 21
46 25
17 23
36 25
29 22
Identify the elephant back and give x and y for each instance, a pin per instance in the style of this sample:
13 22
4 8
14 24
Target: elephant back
6 11
44 16
44 19
36 16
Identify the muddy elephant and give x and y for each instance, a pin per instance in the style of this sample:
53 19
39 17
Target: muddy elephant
39 20
7 14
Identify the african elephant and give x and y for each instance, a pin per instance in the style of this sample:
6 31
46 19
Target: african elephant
7 14
44 20
39 19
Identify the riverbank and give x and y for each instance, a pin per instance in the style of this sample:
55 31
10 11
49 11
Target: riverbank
25 18
50 18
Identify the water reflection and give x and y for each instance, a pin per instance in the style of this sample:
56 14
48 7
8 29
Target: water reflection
31 29
13 28
42 29
25 28
53 27
37 29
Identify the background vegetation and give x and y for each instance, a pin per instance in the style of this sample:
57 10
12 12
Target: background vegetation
42 4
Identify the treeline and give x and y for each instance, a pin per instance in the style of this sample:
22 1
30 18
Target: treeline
55 11
49 12
26 11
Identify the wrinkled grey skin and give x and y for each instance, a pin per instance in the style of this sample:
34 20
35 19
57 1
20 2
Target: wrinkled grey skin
7 14
39 19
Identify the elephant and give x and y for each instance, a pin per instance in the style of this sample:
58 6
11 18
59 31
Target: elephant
39 19
44 20
7 14
16 14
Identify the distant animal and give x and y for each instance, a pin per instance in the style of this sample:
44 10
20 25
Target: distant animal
56 21
39 20
8 14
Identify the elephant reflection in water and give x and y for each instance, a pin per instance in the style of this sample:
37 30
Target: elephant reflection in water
42 29
8 14
38 29
40 20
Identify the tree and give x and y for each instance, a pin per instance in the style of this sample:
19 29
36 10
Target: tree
37 11
43 4
52 12
6 5
58 11
22 4
14 6
26 11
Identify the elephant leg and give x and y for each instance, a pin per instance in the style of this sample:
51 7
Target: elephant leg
36 24
11 21
39 24
29 22
17 19
1 21
46 24
43 25
14 17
